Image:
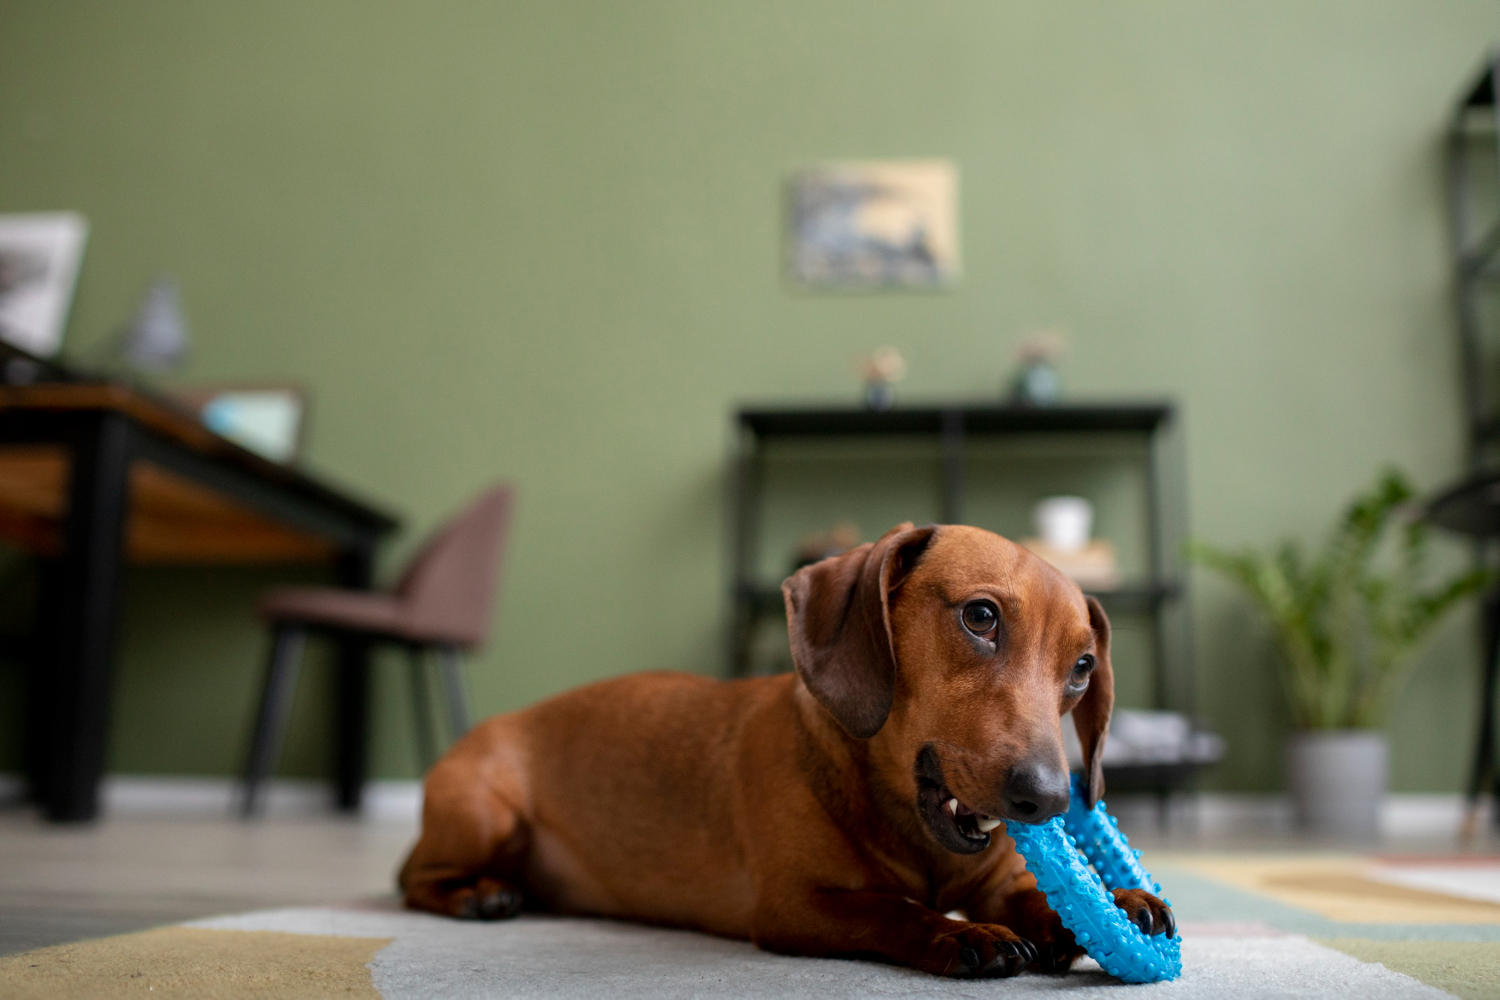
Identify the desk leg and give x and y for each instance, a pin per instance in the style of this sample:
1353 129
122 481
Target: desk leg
356 570
81 616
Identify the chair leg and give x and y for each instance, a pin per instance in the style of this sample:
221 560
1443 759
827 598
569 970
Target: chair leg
421 709
453 690
287 644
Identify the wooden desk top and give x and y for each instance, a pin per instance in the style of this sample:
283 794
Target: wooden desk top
174 518
147 410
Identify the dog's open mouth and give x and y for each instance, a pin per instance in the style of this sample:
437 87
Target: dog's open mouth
956 826
974 825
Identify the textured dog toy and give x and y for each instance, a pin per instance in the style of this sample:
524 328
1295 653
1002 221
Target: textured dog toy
1081 897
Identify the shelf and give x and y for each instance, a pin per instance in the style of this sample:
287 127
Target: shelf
972 419
1139 598
953 427
766 602
1471 507
1151 777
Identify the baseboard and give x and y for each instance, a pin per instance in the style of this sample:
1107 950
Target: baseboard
1210 814
185 796
1403 814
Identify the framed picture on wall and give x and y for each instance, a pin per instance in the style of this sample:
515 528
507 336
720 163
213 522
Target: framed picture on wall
39 257
269 420
873 224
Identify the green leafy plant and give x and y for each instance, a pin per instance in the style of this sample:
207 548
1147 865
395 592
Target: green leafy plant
1349 616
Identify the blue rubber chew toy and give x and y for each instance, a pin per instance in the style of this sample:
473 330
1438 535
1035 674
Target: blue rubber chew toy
1081 897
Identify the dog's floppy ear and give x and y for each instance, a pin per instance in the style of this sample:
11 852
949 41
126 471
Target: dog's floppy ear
1091 714
839 622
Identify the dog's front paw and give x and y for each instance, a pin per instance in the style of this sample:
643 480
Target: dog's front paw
1147 912
1056 956
487 899
980 951
483 898
1056 948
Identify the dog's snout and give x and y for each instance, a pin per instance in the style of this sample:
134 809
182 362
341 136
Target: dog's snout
1035 792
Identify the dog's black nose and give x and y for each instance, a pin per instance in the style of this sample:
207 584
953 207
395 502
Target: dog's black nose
1035 792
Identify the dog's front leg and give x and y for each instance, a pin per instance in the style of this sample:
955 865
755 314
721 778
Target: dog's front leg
851 924
1018 904
1025 909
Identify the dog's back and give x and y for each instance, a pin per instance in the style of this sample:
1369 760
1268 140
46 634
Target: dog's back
623 797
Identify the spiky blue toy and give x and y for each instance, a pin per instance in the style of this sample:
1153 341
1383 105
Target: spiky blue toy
1081 897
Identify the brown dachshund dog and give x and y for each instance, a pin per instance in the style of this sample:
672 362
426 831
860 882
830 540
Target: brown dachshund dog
839 811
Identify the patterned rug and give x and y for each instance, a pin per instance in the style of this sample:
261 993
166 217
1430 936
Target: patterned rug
1253 926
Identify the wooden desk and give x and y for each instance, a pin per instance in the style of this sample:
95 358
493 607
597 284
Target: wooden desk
93 474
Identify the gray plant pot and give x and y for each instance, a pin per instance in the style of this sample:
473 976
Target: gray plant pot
1337 779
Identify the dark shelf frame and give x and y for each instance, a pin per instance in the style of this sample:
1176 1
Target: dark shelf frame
1475 249
1162 594
1472 506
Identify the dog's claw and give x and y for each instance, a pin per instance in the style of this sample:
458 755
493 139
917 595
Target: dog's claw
1147 912
1010 959
500 905
1142 919
1007 959
486 899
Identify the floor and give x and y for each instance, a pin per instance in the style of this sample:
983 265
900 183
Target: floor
304 905
61 884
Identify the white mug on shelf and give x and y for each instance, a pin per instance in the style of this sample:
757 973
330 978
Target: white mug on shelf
1064 523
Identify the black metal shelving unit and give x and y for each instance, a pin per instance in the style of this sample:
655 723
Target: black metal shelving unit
1161 594
1474 128
1472 505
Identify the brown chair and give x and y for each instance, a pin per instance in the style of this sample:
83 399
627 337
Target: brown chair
442 603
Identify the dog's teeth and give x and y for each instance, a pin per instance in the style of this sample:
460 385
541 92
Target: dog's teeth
986 823
952 806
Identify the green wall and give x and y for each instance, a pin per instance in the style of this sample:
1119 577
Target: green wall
540 241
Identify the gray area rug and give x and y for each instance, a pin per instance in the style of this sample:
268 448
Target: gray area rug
557 957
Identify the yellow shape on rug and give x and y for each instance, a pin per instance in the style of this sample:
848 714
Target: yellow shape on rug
1341 888
195 962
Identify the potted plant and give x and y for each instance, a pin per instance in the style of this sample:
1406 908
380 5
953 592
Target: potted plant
1347 619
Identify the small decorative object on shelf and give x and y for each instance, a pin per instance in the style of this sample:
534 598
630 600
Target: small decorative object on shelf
1064 524
821 545
881 369
1036 382
1140 738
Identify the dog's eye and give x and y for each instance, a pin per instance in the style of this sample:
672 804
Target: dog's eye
1081 671
981 617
